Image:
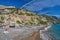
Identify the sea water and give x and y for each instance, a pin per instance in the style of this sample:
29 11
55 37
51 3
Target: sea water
51 33
54 32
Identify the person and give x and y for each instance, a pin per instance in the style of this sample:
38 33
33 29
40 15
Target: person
6 30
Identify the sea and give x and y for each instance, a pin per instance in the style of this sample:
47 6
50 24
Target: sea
53 33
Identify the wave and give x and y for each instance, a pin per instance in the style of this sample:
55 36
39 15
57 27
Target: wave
44 35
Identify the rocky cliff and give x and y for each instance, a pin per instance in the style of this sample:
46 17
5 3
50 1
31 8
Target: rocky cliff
26 17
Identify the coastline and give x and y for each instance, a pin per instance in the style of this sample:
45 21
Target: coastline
36 35
25 33
43 34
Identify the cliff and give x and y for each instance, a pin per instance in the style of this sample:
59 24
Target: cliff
26 17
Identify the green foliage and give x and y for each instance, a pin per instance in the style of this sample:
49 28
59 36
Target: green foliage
21 13
1 18
18 22
26 23
32 19
30 22
29 14
42 22
51 19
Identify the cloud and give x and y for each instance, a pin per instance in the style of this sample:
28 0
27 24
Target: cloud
53 15
57 15
37 5
3 6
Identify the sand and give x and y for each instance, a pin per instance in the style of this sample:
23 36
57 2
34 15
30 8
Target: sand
25 33
35 36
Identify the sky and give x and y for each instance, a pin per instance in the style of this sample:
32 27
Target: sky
51 7
16 3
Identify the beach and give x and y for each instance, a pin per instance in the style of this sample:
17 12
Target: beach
24 33
43 33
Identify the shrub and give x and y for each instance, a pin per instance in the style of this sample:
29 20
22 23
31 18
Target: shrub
18 22
1 18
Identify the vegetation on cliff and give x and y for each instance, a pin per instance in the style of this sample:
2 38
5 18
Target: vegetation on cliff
26 17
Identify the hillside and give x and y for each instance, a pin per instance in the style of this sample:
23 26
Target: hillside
26 17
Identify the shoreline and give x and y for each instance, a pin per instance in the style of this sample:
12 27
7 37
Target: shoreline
32 32
43 35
